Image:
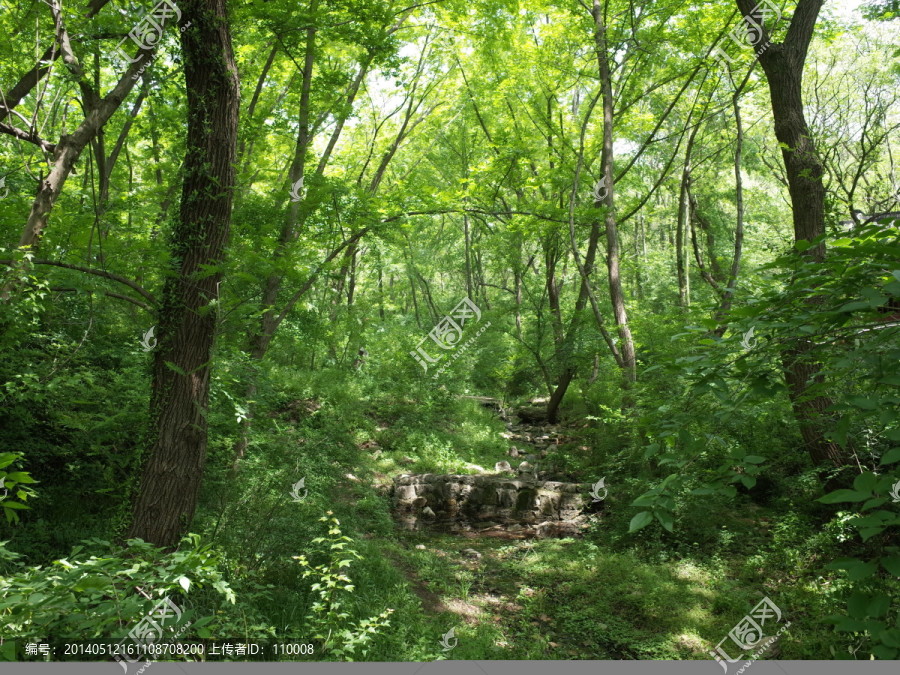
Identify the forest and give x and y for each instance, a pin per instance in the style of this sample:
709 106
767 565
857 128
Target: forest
425 330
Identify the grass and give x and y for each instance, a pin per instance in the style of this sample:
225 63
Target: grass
609 595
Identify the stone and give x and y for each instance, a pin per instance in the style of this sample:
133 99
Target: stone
502 466
525 467
420 547
493 504
513 451
471 553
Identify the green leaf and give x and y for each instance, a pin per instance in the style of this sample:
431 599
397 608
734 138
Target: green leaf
8 651
640 521
853 306
185 583
861 571
891 456
878 606
843 496
890 637
867 533
892 564
858 604
875 297
665 519
173 367
863 402
845 624
884 652
865 482
20 477
754 459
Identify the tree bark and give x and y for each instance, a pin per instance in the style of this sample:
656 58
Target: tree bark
616 294
181 370
681 250
783 65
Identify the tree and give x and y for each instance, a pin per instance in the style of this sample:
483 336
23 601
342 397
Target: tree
783 66
64 153
187 316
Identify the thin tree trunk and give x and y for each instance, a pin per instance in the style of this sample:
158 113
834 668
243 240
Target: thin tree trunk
681 249
617 295
730 289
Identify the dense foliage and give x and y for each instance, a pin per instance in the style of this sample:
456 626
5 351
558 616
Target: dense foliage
209 373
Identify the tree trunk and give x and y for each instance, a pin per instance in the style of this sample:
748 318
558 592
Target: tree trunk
731 285
616 294
181 370
681 250
783 66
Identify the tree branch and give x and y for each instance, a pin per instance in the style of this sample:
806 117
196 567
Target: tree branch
89 270
15 132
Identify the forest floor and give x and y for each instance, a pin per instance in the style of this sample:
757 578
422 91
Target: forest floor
505 597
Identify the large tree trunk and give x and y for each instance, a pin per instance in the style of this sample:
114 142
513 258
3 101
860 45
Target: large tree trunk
783 65
181 370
